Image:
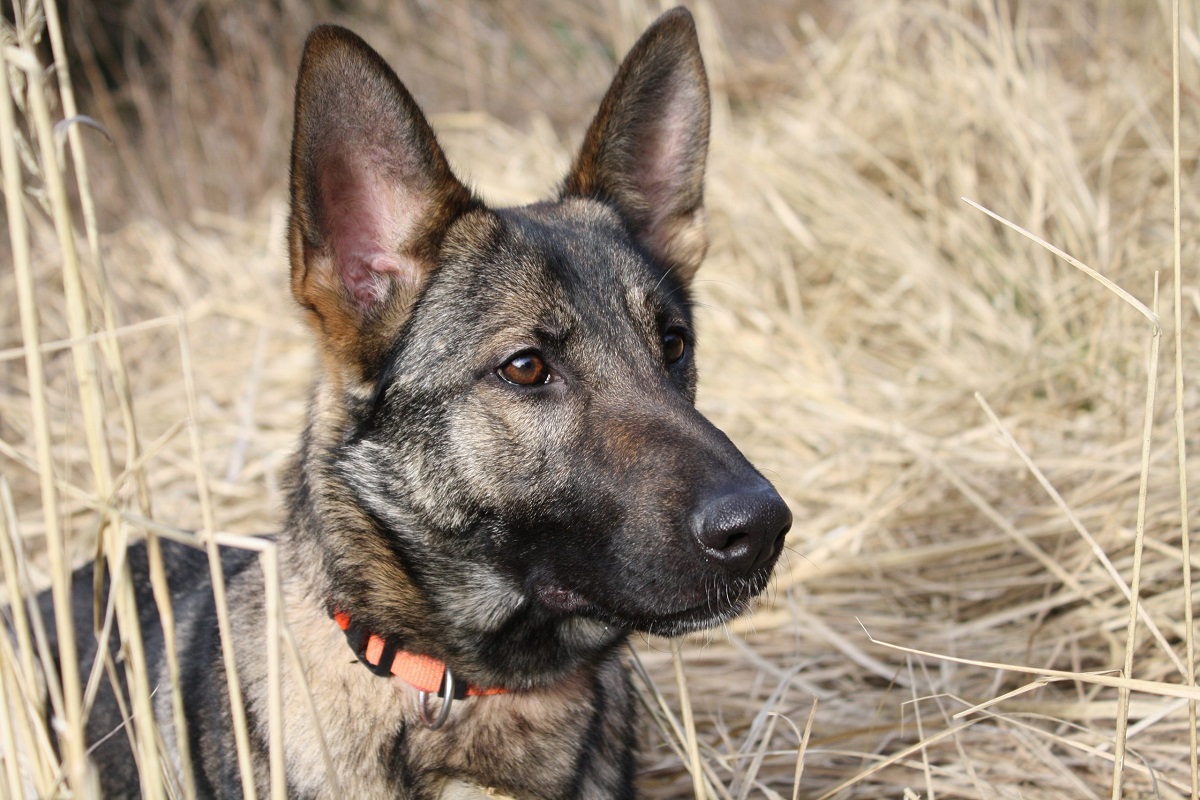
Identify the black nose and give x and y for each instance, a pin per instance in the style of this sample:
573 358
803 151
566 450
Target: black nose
742 529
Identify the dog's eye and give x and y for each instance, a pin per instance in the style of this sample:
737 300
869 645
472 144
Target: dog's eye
525 369
674 347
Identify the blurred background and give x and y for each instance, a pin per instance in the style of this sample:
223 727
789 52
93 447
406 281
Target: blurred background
860 325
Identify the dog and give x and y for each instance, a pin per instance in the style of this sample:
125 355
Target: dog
503 474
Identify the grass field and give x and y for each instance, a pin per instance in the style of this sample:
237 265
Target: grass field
943 311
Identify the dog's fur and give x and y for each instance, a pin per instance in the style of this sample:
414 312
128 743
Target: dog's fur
502 468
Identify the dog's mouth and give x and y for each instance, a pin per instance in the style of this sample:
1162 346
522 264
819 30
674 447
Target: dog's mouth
703 608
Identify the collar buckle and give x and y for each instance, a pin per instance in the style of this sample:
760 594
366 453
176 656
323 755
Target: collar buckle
447 693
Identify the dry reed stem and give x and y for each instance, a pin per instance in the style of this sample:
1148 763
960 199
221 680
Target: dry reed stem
141 717
91 403
885 762
72 739
208 537
1074 262
690 743
110 346
1095 547
8 734
1138 550
805 736
673 731
915 705
99 336
1189 630
19 669
269 559
1160 688
747 780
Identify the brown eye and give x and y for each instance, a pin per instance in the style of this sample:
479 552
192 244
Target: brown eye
526 369
674 348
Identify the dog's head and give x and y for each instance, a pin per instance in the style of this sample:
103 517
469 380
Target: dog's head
506 453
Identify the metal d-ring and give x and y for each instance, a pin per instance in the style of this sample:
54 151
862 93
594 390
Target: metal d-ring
447 699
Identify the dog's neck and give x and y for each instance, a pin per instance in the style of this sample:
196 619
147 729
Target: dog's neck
480 641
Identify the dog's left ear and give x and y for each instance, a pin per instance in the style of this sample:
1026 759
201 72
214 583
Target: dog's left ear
372 198
644 152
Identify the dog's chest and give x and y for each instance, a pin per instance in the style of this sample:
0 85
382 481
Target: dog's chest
511 742
521 744
525 744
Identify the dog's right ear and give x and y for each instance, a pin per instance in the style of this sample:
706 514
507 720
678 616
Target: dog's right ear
372 196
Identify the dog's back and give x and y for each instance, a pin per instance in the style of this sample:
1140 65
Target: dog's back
202 681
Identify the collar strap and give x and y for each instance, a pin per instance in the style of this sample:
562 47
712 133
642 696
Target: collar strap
385 658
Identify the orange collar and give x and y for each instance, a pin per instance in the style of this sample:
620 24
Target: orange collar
424 673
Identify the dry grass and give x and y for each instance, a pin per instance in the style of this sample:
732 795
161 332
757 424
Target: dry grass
985 594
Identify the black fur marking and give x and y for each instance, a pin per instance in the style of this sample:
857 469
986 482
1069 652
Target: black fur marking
399 771
592 737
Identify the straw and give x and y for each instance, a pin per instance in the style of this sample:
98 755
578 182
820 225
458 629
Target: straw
1189 630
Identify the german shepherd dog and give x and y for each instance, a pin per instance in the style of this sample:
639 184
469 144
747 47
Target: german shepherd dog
503 473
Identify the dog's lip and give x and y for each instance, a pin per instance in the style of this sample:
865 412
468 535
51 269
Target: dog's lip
697 616
562 600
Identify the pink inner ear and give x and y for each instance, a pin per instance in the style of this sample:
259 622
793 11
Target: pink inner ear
368 221
666 155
